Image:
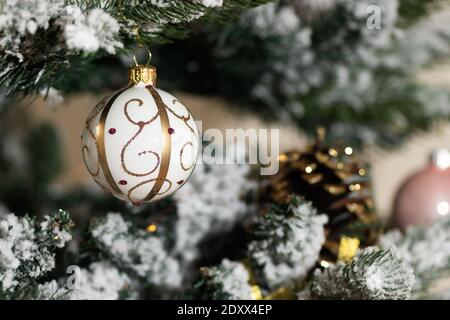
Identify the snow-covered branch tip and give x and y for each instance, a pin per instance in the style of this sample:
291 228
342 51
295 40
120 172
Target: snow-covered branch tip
100 281
227 281
288 241
372 274
141 254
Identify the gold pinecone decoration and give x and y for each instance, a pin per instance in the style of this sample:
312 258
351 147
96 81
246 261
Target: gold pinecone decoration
337 184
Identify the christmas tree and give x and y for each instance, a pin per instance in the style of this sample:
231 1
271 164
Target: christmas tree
344 70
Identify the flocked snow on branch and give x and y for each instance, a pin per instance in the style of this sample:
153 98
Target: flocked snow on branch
100 281
83 29
209 203
89 32
137 251
372 274
288 241
27 249
426 250
227 281
39 39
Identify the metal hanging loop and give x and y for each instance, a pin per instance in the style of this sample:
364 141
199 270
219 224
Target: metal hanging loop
148 60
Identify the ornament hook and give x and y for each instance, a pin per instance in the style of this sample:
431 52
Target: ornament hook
148 60
140 46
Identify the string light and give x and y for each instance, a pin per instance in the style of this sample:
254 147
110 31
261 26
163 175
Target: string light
152 228
347 248
441 158
443 208
355 187
348 151
256 293
333 152
282 158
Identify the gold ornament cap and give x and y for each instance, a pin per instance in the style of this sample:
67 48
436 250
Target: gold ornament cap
142 73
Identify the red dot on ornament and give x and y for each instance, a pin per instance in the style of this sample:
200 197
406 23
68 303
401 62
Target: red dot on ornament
137 203
112 131
180 182
170 130
123 182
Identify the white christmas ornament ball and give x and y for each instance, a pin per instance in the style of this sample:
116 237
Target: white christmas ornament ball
141 143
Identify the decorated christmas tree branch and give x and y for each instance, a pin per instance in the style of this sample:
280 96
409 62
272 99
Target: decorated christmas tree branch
99 281
137 252
37 49
372 274
426 251
228 281
287 243
163 255
27 251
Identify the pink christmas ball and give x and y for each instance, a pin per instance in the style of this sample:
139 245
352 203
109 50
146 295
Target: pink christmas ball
425 196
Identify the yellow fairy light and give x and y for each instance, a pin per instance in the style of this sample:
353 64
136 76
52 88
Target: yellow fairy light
355 187
362 172
313 178
324 264
282 158
340 165
332 152
348 151
347 248
355 207
152 228
308 169
256 293
334 189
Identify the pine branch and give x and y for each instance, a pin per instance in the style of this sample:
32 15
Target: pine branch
372 274
141 254
27 250
38 50
287 245
426 251
228 281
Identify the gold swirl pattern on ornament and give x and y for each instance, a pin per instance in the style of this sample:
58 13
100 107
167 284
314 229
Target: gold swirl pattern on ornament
181 156
101 142
157 180
141 125
185 119
98 108
167 145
